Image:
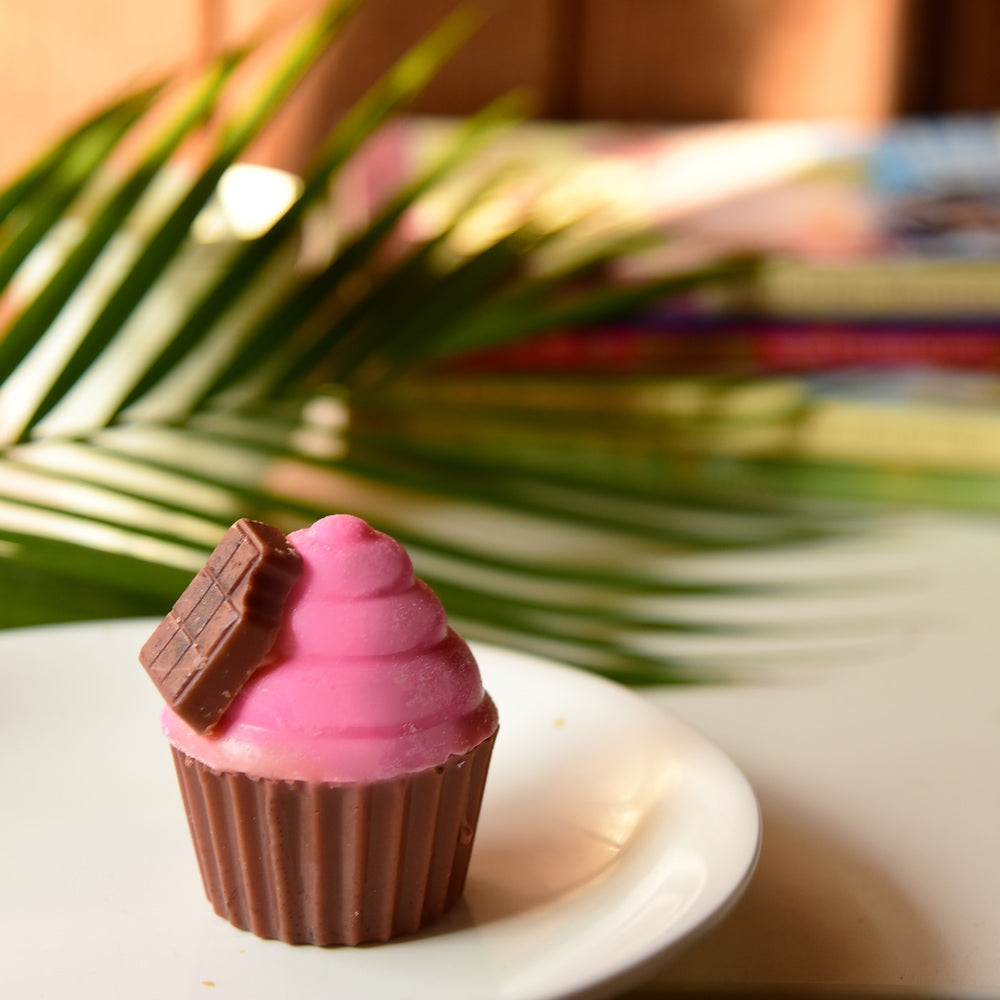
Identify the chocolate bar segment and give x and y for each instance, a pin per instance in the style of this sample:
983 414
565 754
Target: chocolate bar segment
223 626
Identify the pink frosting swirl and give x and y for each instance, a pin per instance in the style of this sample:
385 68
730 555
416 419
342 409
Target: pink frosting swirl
366 679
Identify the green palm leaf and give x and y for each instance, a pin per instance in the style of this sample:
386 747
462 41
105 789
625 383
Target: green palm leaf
153 388
28 328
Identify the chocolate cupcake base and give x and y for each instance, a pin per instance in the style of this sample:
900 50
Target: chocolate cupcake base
328 864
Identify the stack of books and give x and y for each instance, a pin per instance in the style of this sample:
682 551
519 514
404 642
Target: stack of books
880 246
877 295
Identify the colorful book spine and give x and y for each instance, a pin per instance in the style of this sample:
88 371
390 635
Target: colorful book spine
745 348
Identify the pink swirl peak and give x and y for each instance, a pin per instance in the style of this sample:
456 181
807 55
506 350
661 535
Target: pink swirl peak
366 679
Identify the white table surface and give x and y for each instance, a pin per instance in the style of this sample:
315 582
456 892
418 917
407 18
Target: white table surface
879 783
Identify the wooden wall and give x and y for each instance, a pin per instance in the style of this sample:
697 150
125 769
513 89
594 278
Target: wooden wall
659 60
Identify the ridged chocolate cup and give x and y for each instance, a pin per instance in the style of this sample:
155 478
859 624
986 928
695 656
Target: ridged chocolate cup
332 864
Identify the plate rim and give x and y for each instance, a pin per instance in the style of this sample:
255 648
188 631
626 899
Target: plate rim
636 970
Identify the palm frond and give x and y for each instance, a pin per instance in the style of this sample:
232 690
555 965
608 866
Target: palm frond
322 292
154 387
400 85
30 325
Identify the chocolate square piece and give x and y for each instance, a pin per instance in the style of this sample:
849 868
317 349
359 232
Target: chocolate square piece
223 626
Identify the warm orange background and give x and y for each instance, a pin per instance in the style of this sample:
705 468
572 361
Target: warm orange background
676 60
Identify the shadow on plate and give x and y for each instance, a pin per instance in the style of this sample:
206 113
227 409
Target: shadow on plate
843 932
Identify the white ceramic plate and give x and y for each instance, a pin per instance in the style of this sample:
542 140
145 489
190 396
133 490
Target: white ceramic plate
610 833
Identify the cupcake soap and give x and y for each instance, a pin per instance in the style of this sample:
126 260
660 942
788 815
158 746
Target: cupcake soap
333 754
